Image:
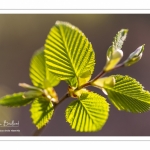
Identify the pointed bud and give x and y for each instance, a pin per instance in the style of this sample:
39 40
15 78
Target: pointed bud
135 56
103 82
29 87
113 60
106 81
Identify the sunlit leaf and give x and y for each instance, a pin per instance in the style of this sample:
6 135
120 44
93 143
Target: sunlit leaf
68 52
41 112
87 114
120 38
128 94
39 74
18 99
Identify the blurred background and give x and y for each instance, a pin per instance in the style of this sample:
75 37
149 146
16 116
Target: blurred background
21 35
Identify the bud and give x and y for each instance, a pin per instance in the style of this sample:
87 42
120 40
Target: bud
135 56
105 81
113 57
51 94
76 93
29 87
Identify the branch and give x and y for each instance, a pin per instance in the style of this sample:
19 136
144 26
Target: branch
38 132
62 99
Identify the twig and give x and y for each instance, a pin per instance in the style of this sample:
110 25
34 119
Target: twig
38 132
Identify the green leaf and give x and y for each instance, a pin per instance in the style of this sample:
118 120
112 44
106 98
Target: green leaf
39 74
17 99
68 52
127 94
41 112
120 38
87 114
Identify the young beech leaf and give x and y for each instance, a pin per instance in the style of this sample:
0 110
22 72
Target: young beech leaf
120 38
68 52
39 74
41 112
87 114
127 94
17 99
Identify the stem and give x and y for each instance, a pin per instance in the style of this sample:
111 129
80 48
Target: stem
62 99
118 66
38 132
98 76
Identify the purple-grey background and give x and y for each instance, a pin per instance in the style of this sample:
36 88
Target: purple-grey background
21 35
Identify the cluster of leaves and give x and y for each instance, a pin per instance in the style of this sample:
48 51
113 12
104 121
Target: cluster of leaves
68 55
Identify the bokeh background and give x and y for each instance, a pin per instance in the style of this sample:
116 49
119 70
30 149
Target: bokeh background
21 35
